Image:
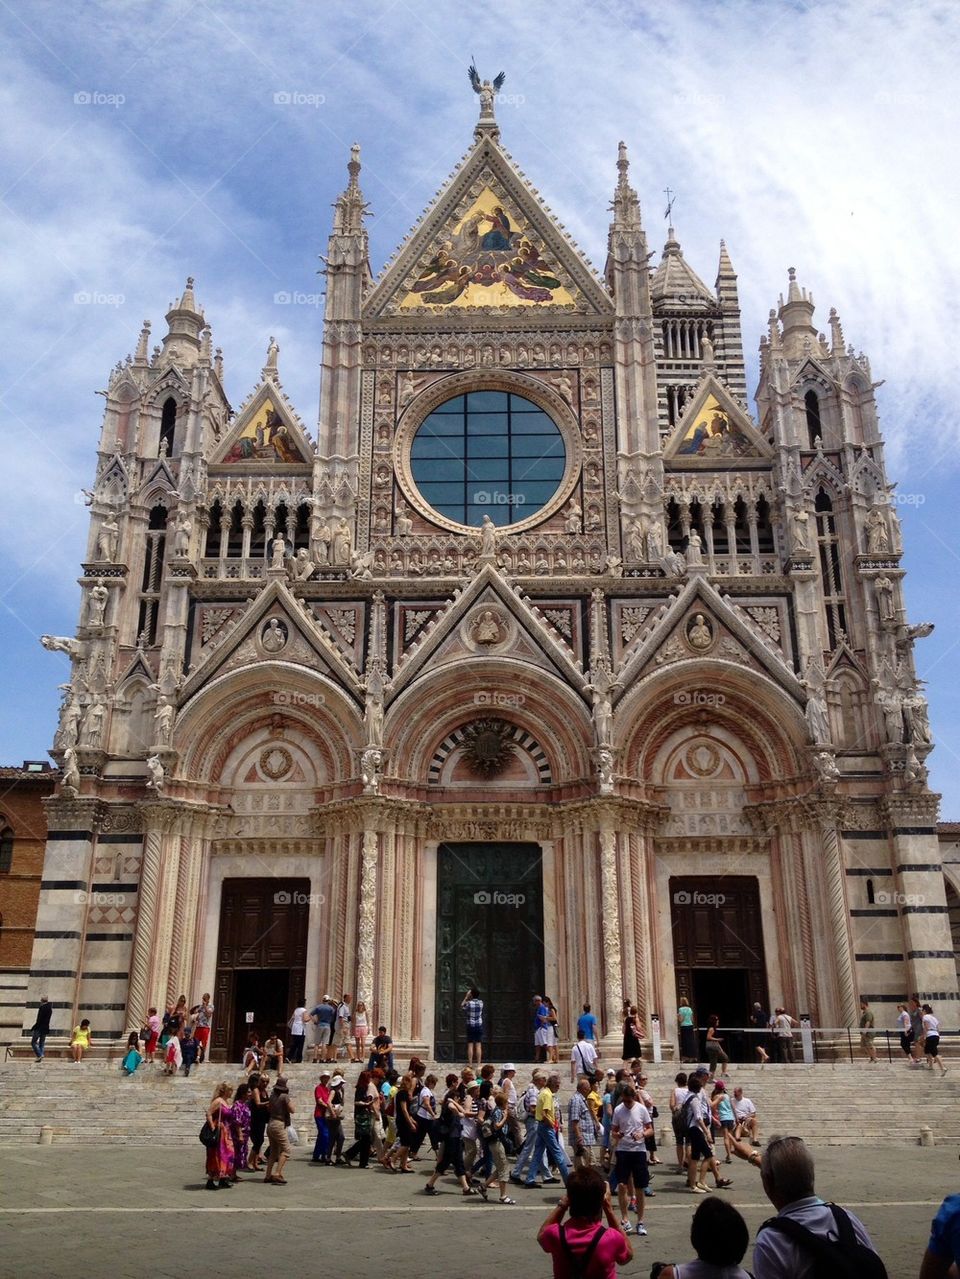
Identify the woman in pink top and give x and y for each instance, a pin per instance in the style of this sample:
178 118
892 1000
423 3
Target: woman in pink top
583 1245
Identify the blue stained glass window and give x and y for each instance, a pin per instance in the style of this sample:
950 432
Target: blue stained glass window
488 453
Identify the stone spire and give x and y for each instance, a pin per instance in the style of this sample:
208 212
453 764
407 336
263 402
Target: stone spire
796 317
837 344
626 206
185 322
350 207
142 355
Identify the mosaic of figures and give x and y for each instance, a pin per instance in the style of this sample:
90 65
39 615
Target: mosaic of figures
265 438
711 433
490 258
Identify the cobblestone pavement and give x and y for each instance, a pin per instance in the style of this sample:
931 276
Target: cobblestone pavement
106 1213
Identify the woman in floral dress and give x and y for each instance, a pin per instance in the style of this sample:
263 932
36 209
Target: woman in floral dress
221 1159
241 1128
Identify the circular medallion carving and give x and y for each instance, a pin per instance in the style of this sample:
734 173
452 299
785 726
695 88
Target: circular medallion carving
486 628
273 635
275 762
703 759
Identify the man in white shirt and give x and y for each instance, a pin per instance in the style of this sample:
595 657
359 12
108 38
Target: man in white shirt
631 1126
508 1074
748 1124
788 1179
583 1058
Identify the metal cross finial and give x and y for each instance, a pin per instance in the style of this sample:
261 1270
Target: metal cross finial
671 198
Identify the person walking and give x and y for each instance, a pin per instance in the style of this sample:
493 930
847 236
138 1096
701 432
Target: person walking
240 1128
528 1110
406 1124
472 1006
203 1024
41 1027
632 1124
278 1123
583 1057
426 1115
451 1145
760 1020
335 1120
906 1035
259 1102
678 1096
321 1113
714 1046
492 1132
867 1024
587 1022
631 1035
363 1103
931 1040
583 1128
548 1128
916 1030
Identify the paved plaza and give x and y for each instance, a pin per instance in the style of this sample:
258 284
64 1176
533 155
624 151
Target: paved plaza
121 1212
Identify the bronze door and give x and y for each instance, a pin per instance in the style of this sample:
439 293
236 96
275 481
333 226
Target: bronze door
261 960
489 935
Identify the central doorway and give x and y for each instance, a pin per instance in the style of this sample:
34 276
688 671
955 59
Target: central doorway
718 954
261 961
489 935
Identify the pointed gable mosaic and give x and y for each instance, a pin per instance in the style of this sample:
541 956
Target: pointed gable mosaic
265 437
715 430
490 258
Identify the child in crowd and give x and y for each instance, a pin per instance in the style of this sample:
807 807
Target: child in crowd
189 1047
173 1057
132 1058
153 1026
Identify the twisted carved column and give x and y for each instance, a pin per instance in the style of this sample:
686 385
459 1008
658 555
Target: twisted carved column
147 903
837 902
186 922
610 922
367 915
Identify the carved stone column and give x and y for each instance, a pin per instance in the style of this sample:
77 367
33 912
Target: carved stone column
367 917
839 918
610 926
147 903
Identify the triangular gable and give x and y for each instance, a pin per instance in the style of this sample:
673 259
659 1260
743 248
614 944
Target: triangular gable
715 432
265 432
537 641
812 371
844 658
159 480
304 643
138 669
732 639
487 243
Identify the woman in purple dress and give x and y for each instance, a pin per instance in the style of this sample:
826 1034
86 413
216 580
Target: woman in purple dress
241 1128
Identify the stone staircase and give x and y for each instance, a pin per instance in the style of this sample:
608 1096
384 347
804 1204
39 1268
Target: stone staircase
836 1104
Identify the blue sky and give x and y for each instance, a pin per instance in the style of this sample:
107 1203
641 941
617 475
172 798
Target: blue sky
142 143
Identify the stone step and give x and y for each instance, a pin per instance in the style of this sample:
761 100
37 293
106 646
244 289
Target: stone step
91 1104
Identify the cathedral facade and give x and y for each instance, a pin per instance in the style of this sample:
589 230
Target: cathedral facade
545 667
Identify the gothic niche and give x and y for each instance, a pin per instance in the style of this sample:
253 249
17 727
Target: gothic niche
487 747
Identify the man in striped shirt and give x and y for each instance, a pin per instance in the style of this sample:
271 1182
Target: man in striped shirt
472 1006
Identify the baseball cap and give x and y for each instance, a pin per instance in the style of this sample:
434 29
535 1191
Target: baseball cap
324 1074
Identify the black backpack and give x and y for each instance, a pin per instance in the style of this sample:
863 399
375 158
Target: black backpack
842 1258
579 1261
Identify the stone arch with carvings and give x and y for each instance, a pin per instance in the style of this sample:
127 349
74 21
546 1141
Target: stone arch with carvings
440 704
707 698
271 698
